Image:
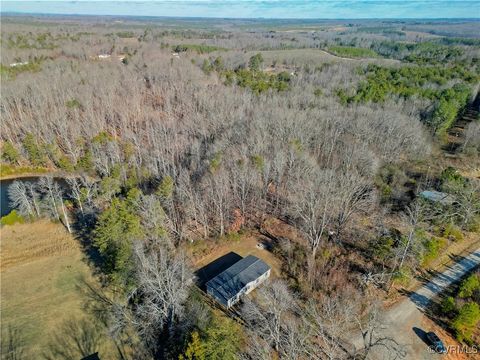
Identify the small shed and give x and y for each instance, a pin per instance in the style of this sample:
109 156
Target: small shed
239 279
438 197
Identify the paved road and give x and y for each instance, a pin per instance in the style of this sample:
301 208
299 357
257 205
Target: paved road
406 323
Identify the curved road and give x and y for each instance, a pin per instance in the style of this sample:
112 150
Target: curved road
406 323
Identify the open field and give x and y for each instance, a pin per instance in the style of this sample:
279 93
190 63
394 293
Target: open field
302 57
41 273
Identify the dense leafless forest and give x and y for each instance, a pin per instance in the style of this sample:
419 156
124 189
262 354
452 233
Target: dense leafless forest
180 137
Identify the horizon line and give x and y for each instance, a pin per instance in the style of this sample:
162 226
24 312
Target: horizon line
26 13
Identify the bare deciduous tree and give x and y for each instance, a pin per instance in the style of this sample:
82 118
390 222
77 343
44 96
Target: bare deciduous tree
76 191
374 337
414 215
295 341
354 194
47 187
20 198
467 204
329 322
220 196
472 137
257 348
314 204
268 315
164 279
54 198
34 196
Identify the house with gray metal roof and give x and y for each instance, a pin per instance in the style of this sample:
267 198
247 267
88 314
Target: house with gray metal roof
239 279
438 197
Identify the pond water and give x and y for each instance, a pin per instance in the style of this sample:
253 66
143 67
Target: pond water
5 207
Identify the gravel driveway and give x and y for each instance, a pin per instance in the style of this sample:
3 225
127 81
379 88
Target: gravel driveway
406 323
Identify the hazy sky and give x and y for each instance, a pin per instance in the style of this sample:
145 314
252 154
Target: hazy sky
308 9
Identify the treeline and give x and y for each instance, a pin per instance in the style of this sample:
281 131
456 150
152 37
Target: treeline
219 150
431 225
252 77
426 52
44 198
352 52
200 49
427 82
226 167
41 40
462 309
165 156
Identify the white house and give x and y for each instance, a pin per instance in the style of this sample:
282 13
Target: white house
239 279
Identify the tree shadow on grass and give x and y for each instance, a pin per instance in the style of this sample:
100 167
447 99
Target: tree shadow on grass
75 339
83 230
81 336
13 344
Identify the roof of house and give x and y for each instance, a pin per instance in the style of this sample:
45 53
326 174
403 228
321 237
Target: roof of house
228 283
436 196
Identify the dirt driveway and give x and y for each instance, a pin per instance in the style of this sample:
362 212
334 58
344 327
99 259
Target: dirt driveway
406 323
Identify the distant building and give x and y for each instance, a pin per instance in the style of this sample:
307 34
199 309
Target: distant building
438 197
19 64
239 279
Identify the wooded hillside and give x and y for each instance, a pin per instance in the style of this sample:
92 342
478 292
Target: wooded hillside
178 141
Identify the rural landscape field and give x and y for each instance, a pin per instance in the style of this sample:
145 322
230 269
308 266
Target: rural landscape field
194 188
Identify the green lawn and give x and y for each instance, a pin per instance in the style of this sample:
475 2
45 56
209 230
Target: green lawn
352 52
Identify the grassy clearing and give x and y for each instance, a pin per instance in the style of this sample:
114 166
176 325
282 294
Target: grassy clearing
243 245
10 72
9 171
296 57
198 48
41 272
12 218
352 52
301 57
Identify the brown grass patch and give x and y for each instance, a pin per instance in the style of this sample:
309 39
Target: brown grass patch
21 245
243 245
42 269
